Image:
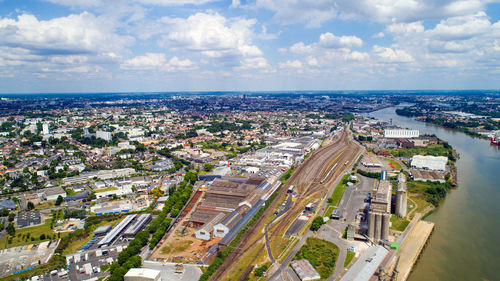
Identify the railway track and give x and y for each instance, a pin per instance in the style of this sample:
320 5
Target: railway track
307 183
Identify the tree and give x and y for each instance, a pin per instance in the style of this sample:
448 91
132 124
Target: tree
42 236
316 224
59 200
30 205
10 229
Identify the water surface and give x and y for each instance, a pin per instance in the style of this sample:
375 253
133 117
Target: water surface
464 243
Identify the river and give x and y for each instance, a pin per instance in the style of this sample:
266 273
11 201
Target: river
464 243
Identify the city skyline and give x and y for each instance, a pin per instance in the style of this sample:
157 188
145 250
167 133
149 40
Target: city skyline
183 45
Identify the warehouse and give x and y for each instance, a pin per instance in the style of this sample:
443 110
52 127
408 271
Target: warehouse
401 133
305 270
113 234
137 225
142 274
102 230
366 265
429 162
223 228
28 219
204 232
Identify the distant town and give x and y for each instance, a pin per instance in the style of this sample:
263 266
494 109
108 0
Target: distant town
225 186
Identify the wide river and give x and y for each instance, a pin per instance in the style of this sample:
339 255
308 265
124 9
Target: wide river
465 244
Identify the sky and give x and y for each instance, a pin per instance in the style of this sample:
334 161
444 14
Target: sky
248 45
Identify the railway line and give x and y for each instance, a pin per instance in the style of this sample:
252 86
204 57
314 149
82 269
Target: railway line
310 179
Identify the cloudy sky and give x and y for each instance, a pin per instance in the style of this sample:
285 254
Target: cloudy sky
193 45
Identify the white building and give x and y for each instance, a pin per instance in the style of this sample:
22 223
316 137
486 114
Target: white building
45 129
401 133
429 162
142 274
107 136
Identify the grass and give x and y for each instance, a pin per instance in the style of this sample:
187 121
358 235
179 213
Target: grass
399 224
21 238
105 189
178 247
431 149
279 244
348 258
337 194
321 254
433 192
329 210
421 202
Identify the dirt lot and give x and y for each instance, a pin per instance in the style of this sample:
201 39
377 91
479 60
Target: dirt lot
183 247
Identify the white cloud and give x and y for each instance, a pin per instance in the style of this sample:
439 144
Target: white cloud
379 35
157 61
93 3
316 12
405 28
214 36
291 64
390 55
301 48
328 40
313 12
75 34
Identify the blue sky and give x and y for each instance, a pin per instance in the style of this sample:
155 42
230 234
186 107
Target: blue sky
203 45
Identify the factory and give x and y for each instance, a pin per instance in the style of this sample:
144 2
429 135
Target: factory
429 162
379 214
113 234
137 225
401 133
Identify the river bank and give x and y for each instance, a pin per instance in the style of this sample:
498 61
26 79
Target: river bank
463 245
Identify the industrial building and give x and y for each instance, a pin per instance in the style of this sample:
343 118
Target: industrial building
401 196
142 274
221 229
113 234
204 232
25 219
379 214
137 225
401 133
305 270
429 162
424 175
103 230
367 265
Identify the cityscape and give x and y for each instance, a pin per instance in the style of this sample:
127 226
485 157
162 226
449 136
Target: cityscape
249 140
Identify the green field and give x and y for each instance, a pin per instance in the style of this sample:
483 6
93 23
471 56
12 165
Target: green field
431 149
321 254
105 189
433 192
399 224
348 258
30 235
337 194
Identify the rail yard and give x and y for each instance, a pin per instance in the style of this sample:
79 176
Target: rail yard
312 181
